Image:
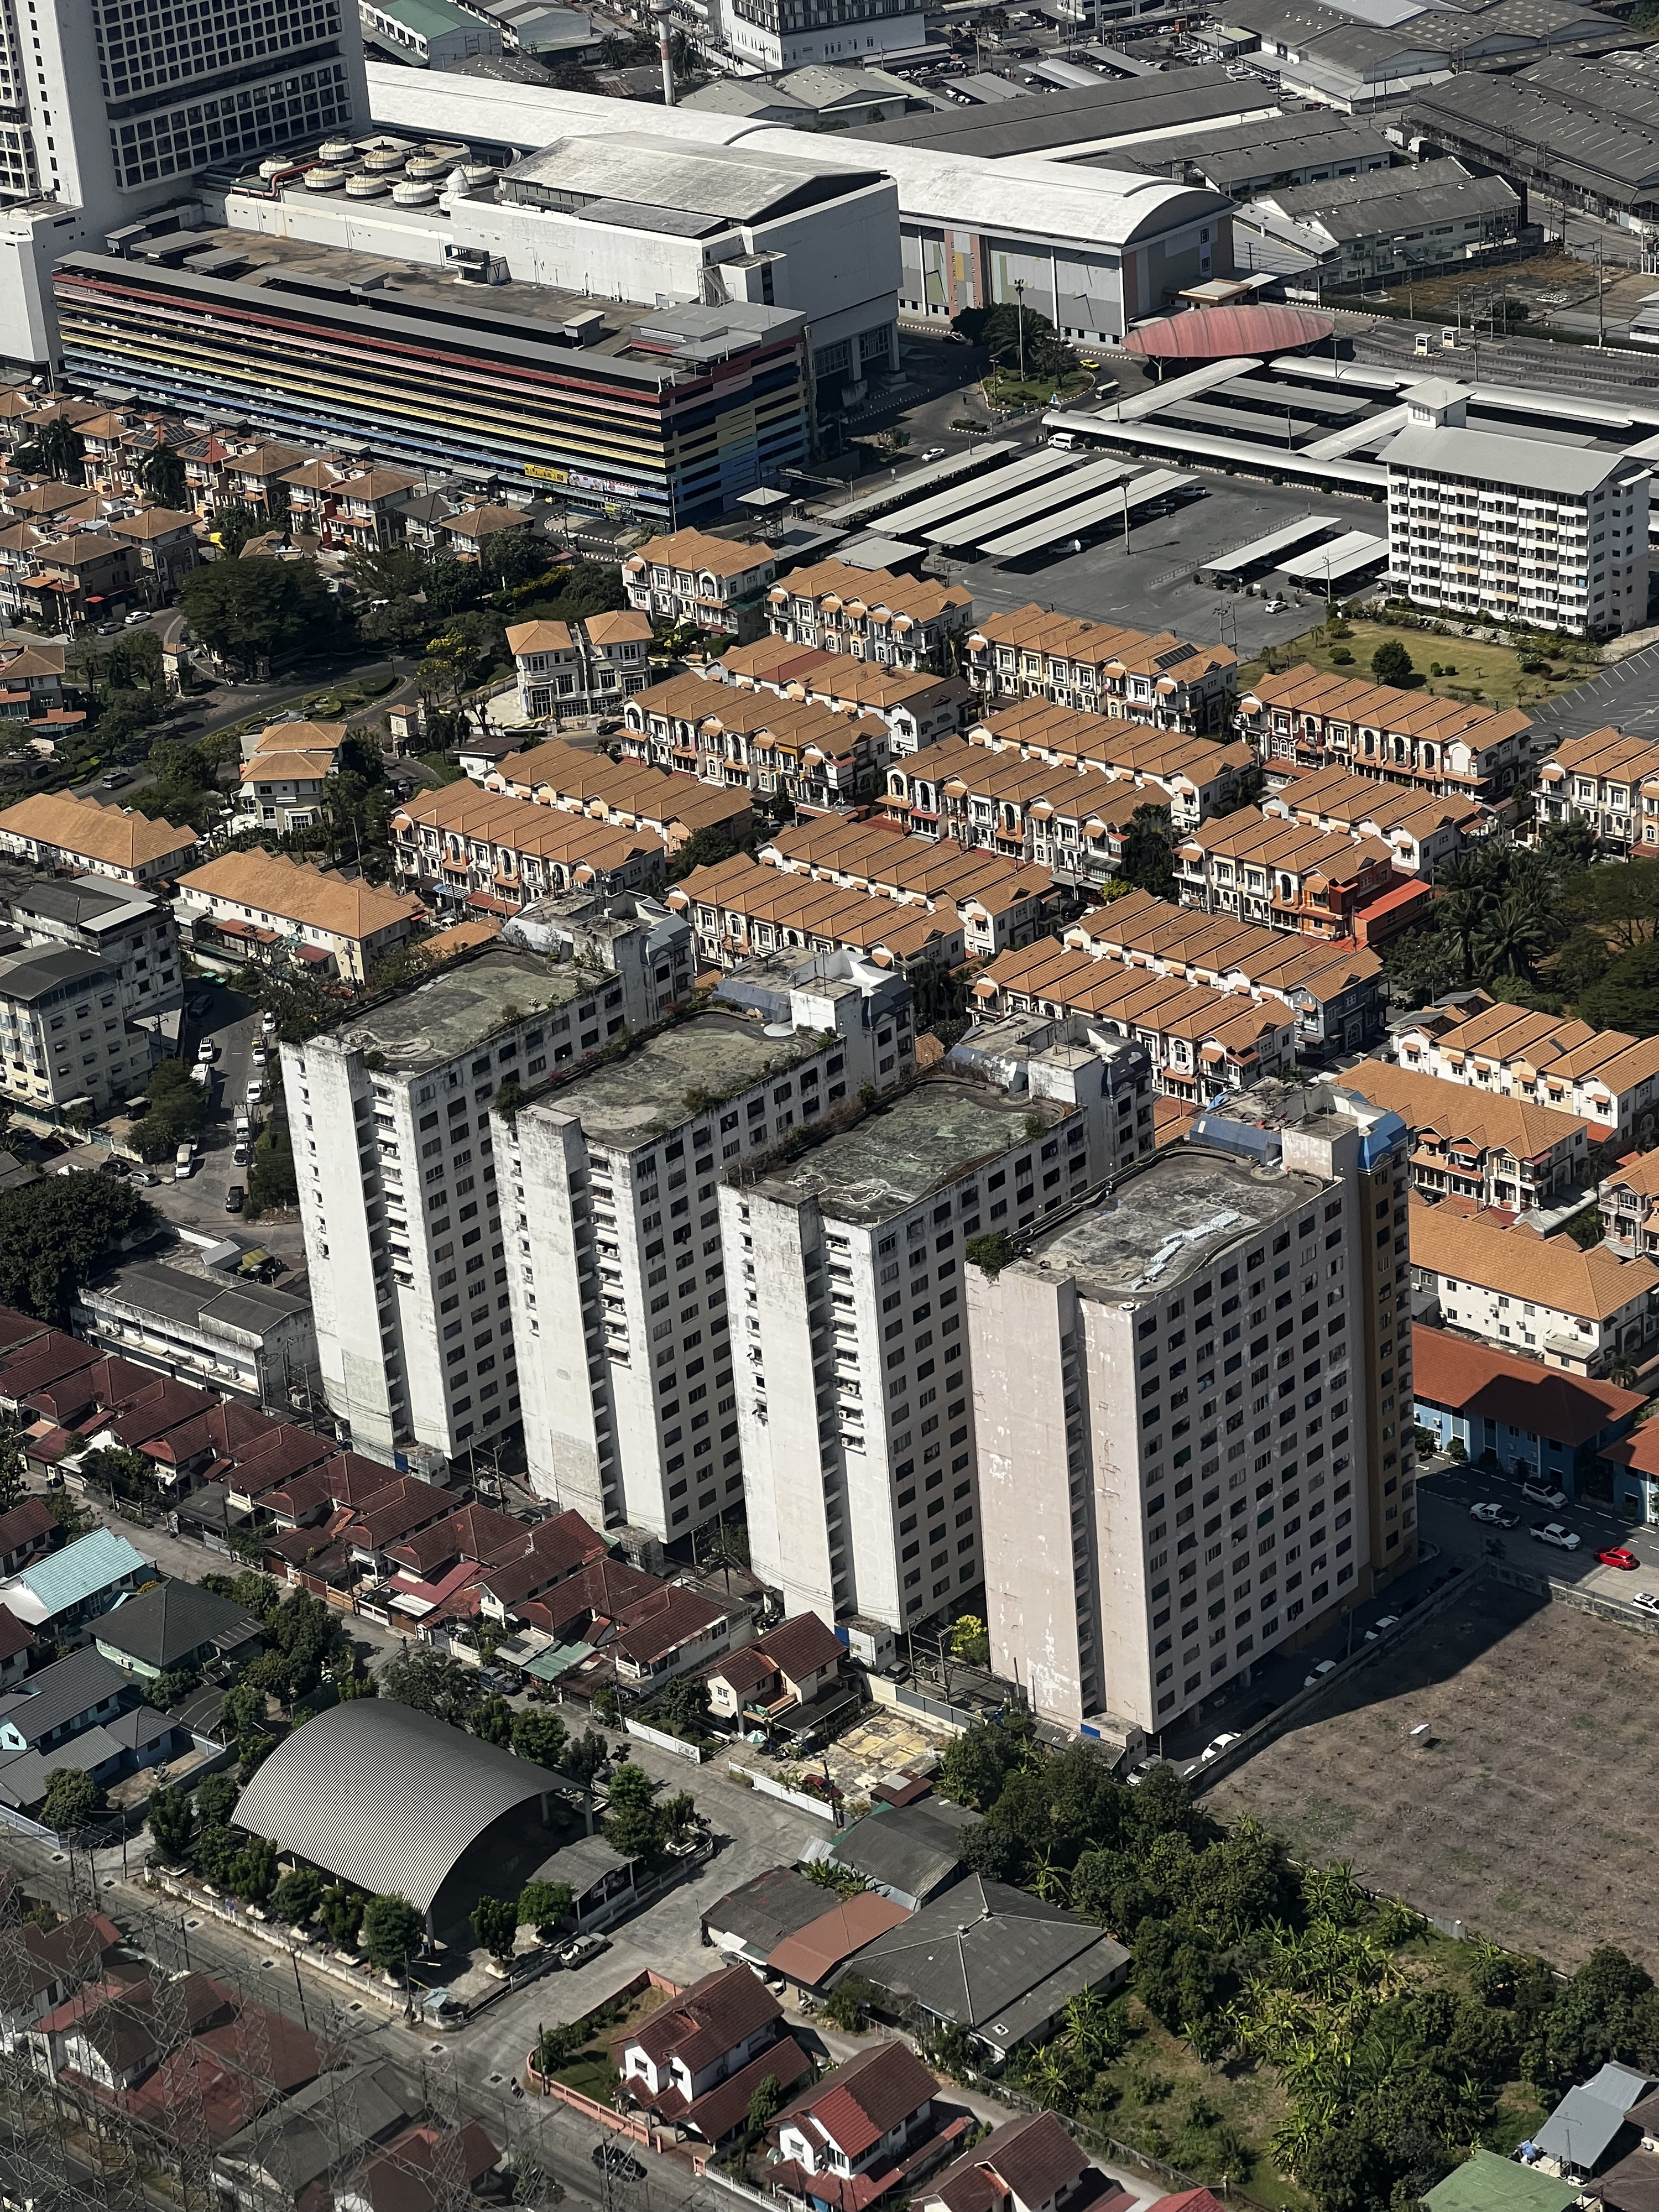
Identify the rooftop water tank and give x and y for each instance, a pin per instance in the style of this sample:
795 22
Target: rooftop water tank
412 193
324 180
365 188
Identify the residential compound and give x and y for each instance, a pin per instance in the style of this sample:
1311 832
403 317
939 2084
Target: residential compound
283 774
916 706
897 622
1607 1080
711 582
854 1397
1160 680
581 667
1288 876
1481 522
1301 719
1592 1312
1487 1150
1192 1401
616 1242
55 831
799 749
1605 779
390 1116
255 906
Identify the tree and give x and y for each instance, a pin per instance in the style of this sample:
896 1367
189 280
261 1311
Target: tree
1148 860
765 2103
704 848
583 1757
1627 996
271 1181
970 1642
56 1232
632 1820
847 2006
215 1800
343 1915
679 1817
683 1709
170 1823
538 1736
493 1721
216 1853
976 1765
394 1932
298 1894
543 1905
433 1682
161 475
56 450
250 611
495 1924
254 1874
178 1109
12 1469
1391 663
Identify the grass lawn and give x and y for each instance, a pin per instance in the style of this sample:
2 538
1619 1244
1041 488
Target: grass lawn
1212 2122
1008 390
590 2073
1490 673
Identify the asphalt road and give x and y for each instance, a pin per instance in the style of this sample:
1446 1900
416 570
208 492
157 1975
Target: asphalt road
1446 1494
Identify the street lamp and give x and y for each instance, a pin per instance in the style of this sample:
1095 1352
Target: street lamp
1019 322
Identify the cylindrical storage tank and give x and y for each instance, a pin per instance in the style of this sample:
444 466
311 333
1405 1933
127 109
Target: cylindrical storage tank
383 161
336 151
409 194
476 173
269 168
428 169
366 188
324 180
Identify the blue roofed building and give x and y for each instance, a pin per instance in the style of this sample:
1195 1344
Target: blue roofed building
58 1596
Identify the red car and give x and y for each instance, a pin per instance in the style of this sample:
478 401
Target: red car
1616 1556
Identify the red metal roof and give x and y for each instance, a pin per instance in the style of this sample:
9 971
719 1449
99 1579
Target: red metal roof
1213 334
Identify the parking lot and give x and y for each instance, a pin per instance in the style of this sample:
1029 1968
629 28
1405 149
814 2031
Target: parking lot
1445 1493
1525 1810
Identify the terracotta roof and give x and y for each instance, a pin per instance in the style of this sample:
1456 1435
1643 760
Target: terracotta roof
623 626
1032 629
921 597
865 2098
1550 1271
152 522
808 1954
1609 754
82 827
27 1522
287 768
695 549
293 890
301 738
1031 2158
660 1625
800 1646
1640 1175
726 2107
541 637
1456 1109
1541 1401
713 2016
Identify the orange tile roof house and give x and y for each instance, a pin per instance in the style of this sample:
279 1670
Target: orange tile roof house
1628 1201
694 577
870 2129
720 2035
1419 829
1300 720
780 1676
1590 1312
494 853
1028 2165
580 667
916 706
1283 874
757 740
742 910
254 905
1606 779
281 778
898 622
1495 1151
1607 1078
54 830
627 793
808 1955
1540 1424
1160 680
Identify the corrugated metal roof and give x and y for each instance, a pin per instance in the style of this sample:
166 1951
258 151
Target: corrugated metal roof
80 1571
1210 333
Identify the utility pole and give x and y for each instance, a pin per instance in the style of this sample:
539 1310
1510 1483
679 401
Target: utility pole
1019 322
1601 299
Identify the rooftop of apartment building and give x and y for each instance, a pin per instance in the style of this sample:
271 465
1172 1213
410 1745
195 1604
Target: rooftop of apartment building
469 1001
669 1078
918 1142
1169 1221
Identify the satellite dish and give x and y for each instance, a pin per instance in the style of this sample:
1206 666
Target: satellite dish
779 1030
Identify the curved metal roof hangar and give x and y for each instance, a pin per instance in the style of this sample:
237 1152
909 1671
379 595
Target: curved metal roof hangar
386 1797
1214 333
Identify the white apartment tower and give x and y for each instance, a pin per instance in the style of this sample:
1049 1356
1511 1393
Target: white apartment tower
1482 523
390 1116
109 109
1193 1408
854 1405
618 1273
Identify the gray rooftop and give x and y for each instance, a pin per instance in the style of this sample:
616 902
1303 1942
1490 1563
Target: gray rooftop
763 1911
1038 123
1590 2117
1185 1208
27 978
247 1312
92 903
62 1691
626 1102
1494 457
912 1852
918 1142
162 1626
1234 153
1592 123
463 1005
1384 199
668 174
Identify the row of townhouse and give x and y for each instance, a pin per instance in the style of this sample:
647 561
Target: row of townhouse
1284 874
1496 1151
1419 829
1102 668
587 668
1607 780
32 684
757 740
1196 775
1002 903
494 853
1199 1041
627 793
1607 1078
1628 1202
257 907
1592 1312
1301 719
898 622
57 833
742 910
1336 992
916 706
693 577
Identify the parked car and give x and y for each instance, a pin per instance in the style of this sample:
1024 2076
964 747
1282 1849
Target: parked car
202 1073
1615 1555
240 1155
233 1198
133 620
1139 1771
113 779
183 1162
143 1178
268 1024
1325 1667
935 453
207 1050
197 1007
582 1948
260 1055
1646 1600
1214 1748
1544 1493
1380 1628
256 1085
610 2156
1552 1532
1493 1515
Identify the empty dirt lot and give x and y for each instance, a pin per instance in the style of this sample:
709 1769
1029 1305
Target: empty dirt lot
1530 1816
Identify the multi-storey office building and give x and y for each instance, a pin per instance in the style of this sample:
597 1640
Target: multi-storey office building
617 1270
1482 523
1193 1404
399 1201
133 935
854 1403
64 1036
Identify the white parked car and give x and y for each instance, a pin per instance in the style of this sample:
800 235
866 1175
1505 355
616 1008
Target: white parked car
256 1086
1552 1532
1494 1515
1325 1667
268 1024
207 1050
1381 1627
259 1054
1214 1748
1645 1599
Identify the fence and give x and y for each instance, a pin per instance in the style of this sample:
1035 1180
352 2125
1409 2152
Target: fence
798 1798
912 1701
664 1742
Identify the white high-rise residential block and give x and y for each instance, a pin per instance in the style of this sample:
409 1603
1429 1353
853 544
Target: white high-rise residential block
619 1279
390 1116
1485 523
1194 1410
846 1267
109 111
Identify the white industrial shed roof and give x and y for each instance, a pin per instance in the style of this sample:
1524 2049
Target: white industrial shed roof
386 1797
1026 198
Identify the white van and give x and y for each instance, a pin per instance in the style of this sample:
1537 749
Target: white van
184 1165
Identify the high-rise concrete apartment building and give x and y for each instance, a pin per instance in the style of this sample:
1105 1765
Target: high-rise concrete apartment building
622 1289
846 1270
1193 1399
399 1197
108 110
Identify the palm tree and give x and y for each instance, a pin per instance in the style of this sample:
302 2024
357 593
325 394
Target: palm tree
1515 934
1089 2028
1050 1882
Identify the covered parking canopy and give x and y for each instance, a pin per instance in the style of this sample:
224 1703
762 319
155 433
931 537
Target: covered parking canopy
386 1797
